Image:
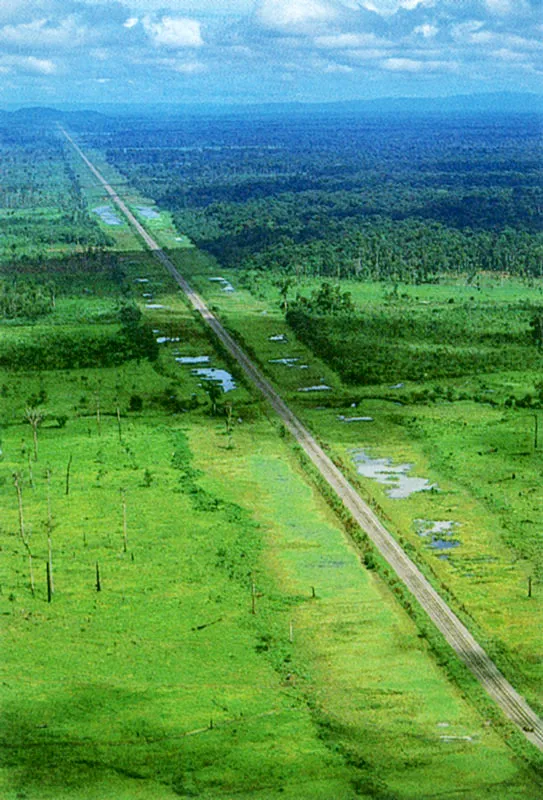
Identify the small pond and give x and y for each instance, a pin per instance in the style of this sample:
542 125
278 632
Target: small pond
396 477
226 286
148 213
341 418
192 359
288 362
218 376
436 531
107 215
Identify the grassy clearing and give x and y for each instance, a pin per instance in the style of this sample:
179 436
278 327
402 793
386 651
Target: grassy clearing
122 690
164 684
476 448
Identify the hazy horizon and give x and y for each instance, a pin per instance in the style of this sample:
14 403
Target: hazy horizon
269 51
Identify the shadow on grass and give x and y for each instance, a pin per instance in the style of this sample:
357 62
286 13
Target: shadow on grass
71 741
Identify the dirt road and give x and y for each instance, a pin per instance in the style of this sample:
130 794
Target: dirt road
454 631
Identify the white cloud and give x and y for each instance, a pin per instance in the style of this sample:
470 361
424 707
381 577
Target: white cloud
463 31
426 30
41 33
410 5
504 7
504 54
11 8
43 66
131 22
337 68
485 37
31 64
174 32
191 68
344 41
291 14
412 65
366 55
387 8
228 7
100 53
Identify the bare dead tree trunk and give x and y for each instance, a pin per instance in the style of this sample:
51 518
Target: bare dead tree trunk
49 588
30 473
34 417
98 415
68 475
119 424
22 529
51 581
125 533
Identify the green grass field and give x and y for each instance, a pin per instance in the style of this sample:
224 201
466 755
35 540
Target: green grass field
165 683
478 450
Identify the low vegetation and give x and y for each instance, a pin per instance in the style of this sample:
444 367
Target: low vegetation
183 613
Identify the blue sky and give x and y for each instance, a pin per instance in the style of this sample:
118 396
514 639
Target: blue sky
265 50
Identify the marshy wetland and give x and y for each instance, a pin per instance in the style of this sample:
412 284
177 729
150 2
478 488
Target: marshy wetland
211 626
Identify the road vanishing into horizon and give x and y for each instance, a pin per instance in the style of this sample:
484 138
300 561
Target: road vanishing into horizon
455 632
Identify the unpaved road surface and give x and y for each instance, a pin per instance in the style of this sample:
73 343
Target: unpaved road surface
454 631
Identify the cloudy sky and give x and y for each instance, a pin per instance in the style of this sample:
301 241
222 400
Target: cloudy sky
271 50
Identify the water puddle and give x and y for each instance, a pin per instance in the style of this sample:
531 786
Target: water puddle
321 387
107 215
148 213
141 280
456 738
426 527
147 294
435 531
341 418
443 544
398 386
192 359
154 305
278 337
288 362
226 286
217 376
166 339
396 477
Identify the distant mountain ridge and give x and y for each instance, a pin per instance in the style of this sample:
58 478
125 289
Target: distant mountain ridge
473 104
46 114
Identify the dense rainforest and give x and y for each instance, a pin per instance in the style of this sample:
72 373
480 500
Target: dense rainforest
369 198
